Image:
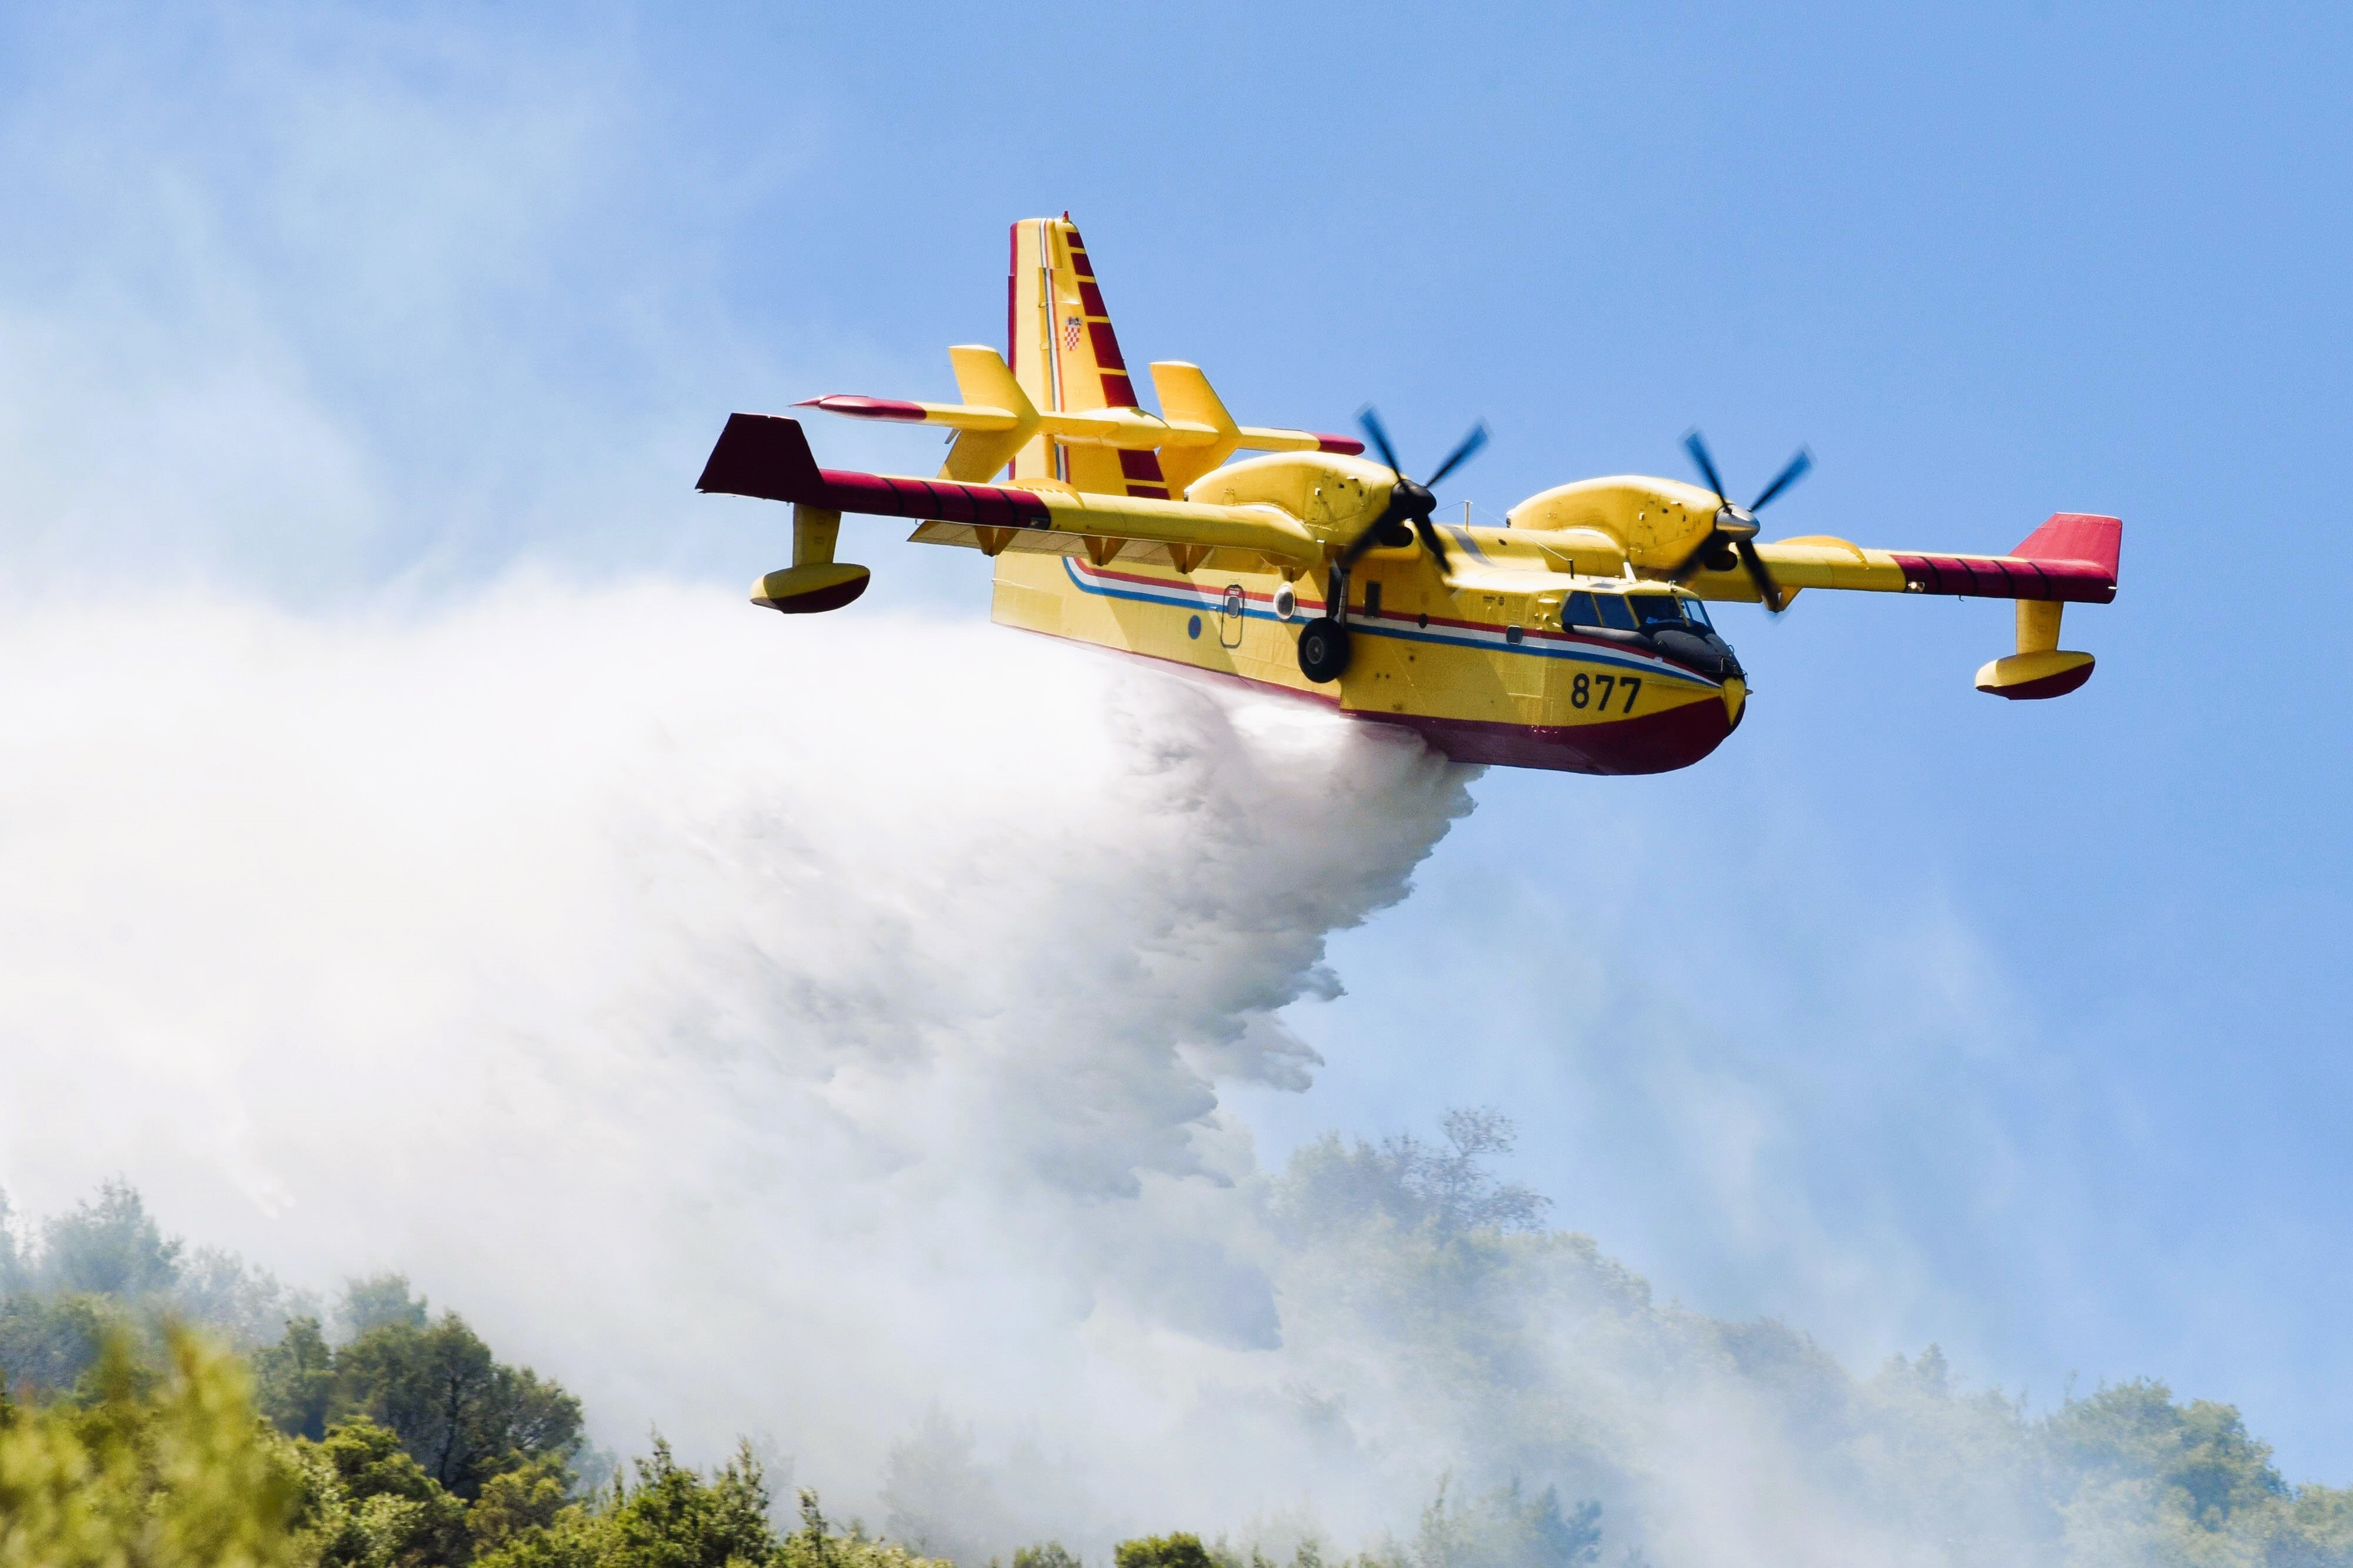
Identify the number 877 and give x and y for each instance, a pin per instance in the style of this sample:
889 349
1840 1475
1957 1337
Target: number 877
1595 690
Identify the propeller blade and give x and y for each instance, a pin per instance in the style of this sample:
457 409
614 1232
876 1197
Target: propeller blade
1698 450
1432 543
1372 424
1690 566
1786 477
1767 589
1363 543
1470 444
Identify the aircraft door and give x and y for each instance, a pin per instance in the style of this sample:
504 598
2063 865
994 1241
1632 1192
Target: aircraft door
1230 616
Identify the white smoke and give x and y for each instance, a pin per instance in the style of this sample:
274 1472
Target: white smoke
759 1025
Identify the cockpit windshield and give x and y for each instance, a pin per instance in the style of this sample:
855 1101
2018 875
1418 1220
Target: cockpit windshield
1656 609
1698 613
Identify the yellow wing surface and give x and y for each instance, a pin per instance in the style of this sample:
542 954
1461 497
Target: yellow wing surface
768 457
1654 528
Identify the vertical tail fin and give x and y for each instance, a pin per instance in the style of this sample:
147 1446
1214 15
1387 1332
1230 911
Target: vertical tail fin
1066 358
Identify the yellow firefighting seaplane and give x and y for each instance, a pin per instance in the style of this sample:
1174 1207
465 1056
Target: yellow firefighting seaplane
1576 636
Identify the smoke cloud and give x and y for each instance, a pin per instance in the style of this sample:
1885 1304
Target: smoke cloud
822 1031
760 1026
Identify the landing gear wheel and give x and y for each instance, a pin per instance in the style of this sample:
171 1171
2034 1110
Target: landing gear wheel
1323 649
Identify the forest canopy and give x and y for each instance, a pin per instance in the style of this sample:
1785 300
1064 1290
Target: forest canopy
168 1405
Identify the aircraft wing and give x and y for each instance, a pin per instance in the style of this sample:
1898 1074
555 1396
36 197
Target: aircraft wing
2071 559
768 458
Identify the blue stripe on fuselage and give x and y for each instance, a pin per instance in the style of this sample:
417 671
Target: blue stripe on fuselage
1210 601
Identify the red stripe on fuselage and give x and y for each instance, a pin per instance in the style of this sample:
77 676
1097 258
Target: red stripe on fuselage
1398 617
1653 743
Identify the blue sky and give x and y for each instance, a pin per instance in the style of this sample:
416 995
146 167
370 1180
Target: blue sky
1911 1014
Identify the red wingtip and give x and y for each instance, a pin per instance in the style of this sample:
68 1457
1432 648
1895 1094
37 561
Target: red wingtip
2082 536
1346 445
763 456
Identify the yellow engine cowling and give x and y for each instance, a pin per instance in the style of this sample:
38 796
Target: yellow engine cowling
1334 496
1655 522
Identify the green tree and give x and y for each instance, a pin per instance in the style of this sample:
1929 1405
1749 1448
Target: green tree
368 1504
1508 1529
2199 1454
295 1380
169 1471
673 1518
47 1344
521 1501
12 1263
245 1305
463 1414
1447 1188
109 1248
1182 1551
937 1496
1046 1554
376 1300
816 1544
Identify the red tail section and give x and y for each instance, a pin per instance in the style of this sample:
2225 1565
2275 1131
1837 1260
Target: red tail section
1066 357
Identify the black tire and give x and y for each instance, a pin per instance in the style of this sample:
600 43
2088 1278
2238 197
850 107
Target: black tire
1323 649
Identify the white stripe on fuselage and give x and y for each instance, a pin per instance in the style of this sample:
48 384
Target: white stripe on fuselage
1535 644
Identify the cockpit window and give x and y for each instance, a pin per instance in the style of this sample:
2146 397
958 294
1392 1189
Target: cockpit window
1576 610
1657 609
1698 613
1614 612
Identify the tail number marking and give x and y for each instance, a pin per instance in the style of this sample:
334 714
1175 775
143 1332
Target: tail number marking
1580 690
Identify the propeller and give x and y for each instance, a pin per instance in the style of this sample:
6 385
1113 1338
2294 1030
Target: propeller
1409 503
1736 525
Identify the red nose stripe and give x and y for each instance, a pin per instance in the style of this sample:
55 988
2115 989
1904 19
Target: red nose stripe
1654 744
